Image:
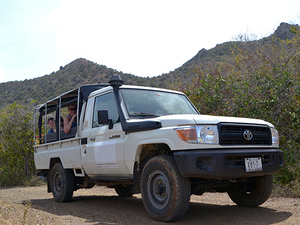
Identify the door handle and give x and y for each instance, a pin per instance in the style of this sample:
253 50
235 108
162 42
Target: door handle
92 139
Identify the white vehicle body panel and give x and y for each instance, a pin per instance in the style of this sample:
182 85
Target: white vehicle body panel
112 152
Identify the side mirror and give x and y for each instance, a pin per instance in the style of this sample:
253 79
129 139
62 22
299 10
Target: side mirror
103 118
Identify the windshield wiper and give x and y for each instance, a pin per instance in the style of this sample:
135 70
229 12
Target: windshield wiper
143 114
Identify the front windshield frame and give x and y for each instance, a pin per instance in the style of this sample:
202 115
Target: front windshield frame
151 103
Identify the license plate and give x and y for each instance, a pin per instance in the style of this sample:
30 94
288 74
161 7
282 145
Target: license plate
253 164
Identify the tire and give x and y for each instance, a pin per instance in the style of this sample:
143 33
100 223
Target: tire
126 191
165 193
253 192
62 183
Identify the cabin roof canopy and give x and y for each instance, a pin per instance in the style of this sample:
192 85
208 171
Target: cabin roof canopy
70 97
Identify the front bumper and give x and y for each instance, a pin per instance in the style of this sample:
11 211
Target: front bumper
226 163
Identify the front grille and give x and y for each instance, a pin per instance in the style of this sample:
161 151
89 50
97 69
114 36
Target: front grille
232 134
236 161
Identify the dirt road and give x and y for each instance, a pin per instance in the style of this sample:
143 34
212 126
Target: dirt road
99 205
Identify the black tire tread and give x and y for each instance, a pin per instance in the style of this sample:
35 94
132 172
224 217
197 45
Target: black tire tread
124 192
181 189
262 190
68 188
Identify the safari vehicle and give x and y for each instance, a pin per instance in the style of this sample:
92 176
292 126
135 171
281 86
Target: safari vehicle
154 142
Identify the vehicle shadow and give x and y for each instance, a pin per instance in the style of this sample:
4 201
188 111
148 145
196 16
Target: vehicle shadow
233 214
117 210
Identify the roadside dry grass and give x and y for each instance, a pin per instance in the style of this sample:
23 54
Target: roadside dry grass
292 190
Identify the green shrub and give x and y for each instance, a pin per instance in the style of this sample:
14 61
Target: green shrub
16 145
260 82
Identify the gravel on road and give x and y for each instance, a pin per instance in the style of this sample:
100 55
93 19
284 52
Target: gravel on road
101 205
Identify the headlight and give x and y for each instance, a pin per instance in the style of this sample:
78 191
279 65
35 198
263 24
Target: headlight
275 136
207 134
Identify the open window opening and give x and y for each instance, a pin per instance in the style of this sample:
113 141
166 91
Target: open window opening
52 116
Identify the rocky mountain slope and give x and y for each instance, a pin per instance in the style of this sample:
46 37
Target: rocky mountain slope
81 72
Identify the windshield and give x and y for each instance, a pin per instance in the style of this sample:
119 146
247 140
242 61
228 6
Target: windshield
150 103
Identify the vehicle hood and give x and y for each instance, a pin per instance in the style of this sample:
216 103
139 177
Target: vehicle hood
181 120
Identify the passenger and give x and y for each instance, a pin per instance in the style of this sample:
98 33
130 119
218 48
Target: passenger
51 125
70 120
61 125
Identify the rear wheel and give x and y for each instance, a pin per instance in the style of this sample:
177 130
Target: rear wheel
253 192
124 191
165 193
62 183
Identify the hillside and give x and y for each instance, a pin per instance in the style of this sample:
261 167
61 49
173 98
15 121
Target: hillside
81 72
77 73
221 51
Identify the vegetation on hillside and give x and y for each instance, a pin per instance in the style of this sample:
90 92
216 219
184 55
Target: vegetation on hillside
77 73
82 72
258 81
16 145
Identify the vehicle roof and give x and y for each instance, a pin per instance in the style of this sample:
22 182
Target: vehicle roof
87 91
70 97
134 87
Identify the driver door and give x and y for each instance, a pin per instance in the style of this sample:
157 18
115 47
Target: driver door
103 153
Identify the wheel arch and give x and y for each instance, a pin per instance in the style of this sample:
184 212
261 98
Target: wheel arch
148 151
144 153
53 161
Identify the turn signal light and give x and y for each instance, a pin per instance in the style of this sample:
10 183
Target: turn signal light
187 134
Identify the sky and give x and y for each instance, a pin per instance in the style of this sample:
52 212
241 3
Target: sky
143 38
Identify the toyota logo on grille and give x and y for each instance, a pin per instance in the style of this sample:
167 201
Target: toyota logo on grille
248 135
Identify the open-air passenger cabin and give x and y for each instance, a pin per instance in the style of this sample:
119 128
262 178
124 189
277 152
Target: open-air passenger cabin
57 109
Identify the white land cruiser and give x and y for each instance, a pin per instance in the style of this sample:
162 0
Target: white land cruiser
154 142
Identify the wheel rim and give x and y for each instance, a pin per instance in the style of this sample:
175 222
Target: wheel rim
58 182
158 189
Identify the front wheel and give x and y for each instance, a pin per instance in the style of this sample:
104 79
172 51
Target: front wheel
253 191
165 193
62 183
124 191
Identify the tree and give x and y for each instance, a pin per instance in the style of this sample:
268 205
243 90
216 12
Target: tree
16 144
